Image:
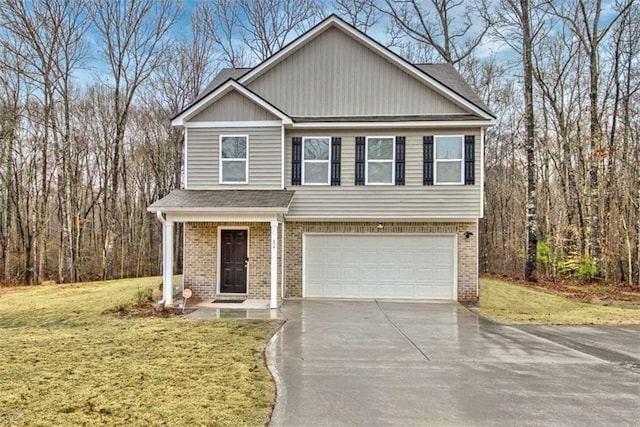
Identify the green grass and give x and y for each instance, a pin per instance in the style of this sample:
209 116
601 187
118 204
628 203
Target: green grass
63 361
506 302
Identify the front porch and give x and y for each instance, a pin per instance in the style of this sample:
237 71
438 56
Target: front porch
220 267
232 241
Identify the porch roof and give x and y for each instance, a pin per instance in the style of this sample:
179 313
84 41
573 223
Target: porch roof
224 201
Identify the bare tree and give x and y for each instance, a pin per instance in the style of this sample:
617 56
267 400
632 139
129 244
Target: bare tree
516 28
360 13
71 54
45 36
219 22
10 109
243 30
452 28
270 24
527 66
556 63
583 18
134 36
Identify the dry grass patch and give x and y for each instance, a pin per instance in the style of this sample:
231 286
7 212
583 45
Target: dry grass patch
512 303
67 362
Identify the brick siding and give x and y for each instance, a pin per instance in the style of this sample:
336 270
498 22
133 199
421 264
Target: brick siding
201 259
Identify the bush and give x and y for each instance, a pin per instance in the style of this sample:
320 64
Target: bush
542 253
143 297
587 269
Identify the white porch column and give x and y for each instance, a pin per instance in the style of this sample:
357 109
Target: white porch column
167 262
274 265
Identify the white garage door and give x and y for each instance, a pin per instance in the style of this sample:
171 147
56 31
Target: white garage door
379 266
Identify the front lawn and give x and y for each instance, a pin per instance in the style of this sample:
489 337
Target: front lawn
510 303
63 361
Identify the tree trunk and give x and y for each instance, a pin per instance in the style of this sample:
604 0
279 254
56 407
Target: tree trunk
532 225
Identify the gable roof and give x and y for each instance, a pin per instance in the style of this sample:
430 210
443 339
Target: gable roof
335 21
220 91
442 78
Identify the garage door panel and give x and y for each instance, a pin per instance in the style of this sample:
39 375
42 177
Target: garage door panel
440 274
404 274
379 266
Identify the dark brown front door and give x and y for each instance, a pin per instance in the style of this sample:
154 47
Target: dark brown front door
233 278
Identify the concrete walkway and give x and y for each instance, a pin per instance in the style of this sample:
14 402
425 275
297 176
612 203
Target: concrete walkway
389 363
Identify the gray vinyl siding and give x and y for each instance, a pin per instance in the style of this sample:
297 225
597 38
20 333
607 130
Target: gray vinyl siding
202 157
413 200
233 106
336 75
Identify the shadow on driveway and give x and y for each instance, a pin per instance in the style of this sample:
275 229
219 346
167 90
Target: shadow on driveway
405 363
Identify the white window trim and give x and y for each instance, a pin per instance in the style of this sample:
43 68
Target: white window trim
393 161
221 160
328 162
436 161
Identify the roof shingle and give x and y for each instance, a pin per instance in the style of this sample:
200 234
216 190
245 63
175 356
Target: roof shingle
224 200
448 76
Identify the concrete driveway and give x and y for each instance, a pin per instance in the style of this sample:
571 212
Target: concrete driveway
437 364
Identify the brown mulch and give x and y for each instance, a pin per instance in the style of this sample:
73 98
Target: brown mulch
592 292
148 310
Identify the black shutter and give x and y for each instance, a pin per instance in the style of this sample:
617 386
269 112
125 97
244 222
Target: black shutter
360 151
296 161
400 150
336 145
469 159
427 172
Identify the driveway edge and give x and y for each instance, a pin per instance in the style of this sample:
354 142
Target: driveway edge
277 413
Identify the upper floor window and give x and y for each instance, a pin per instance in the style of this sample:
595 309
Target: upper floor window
449 159
234 167
316 160
380 160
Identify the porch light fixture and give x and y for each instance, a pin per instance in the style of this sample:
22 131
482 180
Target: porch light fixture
380 226
468 234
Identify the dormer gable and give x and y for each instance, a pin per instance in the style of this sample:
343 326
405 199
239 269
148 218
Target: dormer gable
230 101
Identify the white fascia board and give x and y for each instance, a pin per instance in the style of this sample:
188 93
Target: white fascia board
180 121
411 124
201 217
234 124
382 218
406 66
239 211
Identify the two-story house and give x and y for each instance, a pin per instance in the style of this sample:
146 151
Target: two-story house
333 169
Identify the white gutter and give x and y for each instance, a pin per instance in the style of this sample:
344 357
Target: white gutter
383 124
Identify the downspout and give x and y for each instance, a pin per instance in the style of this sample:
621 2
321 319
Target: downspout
161 219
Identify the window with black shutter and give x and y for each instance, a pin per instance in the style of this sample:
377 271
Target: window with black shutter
360 159
296 160
336 146
469 159
400 155
427 172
